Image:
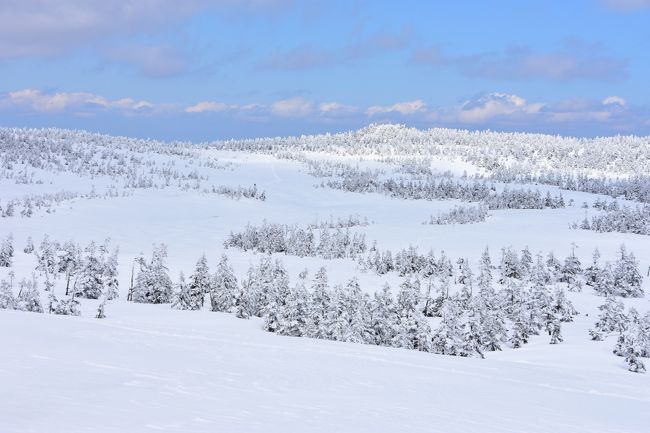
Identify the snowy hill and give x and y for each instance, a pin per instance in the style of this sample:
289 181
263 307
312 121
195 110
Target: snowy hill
383 205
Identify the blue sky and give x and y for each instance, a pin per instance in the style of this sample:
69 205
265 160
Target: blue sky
207 69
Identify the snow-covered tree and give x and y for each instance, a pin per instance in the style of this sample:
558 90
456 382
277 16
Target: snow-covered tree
186 297
611 319
412 330
152 284
90 283
224 289
7 301
29 298
6 252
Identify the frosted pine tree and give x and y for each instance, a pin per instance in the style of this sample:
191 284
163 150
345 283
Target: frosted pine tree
485 272
611 319
383 317
224 288
200 281
294 311
525 263
318 305
627 278
604 284
473 334
356 320
7 301
152 284
186 297
109 276
90 283
29 298
447 339
571 269
593 270
412 330
29 246
6 252
70 262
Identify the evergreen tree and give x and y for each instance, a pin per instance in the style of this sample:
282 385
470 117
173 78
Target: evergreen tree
200 283
627 278
110 282
604 284
187 297
383 317
6 252
7 301
90 283
29 246
152 284
318 305
294 311
571 269
29 298
611 319
593 270
413 330
70 262
224 289
485 272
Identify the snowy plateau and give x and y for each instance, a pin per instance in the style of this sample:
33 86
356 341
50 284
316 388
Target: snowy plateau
383 280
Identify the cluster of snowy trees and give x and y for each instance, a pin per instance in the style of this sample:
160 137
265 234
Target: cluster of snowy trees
631 330
27 155
471 323
325 243
90 272
504 157
27 205
444 188
460 215
355 220
239 192
634 187
28 297
624 219
621 278
486 149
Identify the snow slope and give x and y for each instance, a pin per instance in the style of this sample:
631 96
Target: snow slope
151 368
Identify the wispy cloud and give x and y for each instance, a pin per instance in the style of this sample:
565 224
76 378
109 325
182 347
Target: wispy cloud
155 61
53 27
308 57
626 5
574 60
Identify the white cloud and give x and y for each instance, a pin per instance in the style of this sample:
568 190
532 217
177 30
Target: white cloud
293 107
335 108
78 102
616 100
403 108
493 105
204 106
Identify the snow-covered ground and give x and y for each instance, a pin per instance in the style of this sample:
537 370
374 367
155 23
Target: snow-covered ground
152 368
